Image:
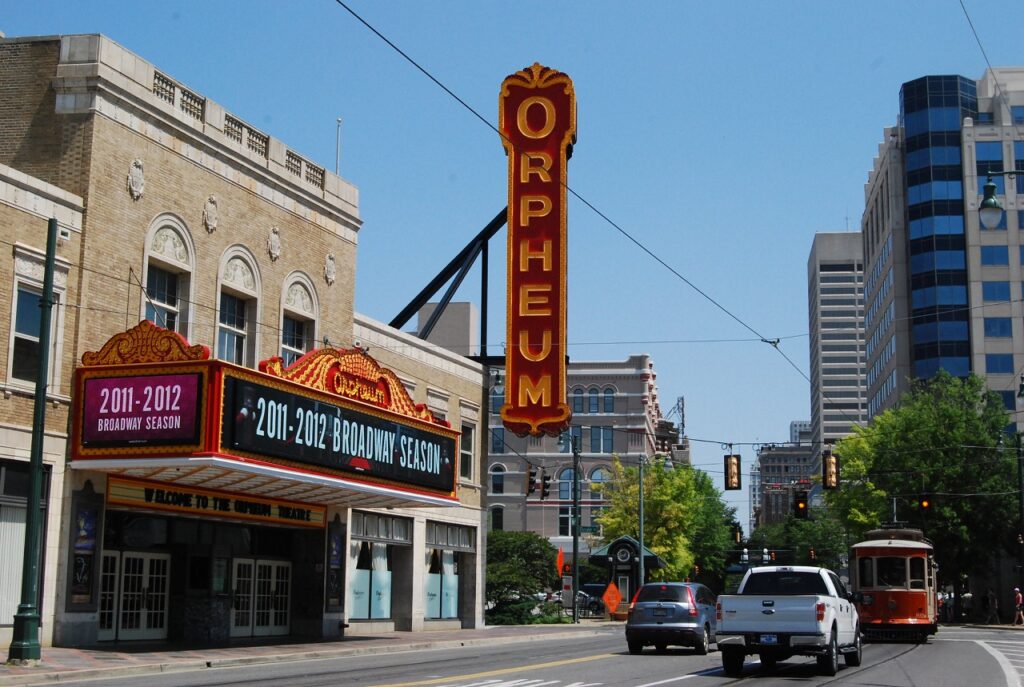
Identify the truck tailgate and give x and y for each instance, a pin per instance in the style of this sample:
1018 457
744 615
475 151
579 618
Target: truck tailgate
779 614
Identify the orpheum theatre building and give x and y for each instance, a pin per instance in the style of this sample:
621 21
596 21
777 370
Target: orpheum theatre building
231 451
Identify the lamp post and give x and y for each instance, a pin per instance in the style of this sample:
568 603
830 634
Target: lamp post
25 637
990 214
643 460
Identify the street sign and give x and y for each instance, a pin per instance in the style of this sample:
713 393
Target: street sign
611 597
590 529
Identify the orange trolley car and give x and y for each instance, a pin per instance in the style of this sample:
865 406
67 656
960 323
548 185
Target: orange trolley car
894 571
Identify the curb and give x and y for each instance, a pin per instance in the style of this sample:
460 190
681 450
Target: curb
193 665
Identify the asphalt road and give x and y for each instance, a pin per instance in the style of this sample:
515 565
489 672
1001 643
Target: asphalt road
956 657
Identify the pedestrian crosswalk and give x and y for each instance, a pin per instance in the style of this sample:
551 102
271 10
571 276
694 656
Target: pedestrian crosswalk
1010 654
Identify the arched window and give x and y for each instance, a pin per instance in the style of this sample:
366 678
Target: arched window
592 401
299 316
577 400
498 479
598 476
168 263
238 308
609 400
565 478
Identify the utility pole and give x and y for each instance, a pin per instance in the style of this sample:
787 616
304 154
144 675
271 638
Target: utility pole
575 529
337 148
25 638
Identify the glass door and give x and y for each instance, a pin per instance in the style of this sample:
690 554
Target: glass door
133 595
261 598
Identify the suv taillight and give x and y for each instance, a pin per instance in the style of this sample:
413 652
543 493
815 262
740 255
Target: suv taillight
819 609
693 604
718 611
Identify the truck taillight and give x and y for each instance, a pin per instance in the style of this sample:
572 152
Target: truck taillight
693 604
718 611
819 609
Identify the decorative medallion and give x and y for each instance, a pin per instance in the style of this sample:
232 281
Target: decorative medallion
330 270
210 214
145 343
136 179
274 243
351 373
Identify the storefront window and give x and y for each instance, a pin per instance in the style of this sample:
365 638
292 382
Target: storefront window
447 544
371 582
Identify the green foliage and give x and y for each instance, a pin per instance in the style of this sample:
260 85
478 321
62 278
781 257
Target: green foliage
944 442
793 539
519 565
685 520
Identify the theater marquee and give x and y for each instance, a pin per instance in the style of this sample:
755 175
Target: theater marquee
537 120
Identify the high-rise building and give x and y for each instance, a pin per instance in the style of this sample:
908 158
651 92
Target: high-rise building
835 275
835 315
942 292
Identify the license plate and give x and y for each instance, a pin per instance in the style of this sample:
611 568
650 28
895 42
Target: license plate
769 639
660 612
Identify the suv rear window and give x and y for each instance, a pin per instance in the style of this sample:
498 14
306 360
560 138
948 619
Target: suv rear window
784 583
662 592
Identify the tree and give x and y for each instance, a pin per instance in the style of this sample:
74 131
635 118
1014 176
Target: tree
519 565
944 443
793 539
685 521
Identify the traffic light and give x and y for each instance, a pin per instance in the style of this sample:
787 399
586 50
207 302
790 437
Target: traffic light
811 554
925 504
772 555
800 505
732 473
737 534
545 484
696 569
531 481
829 469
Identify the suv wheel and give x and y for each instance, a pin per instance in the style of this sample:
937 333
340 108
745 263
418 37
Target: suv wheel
634 647
703 642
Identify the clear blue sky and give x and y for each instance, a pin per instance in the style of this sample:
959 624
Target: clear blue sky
720 135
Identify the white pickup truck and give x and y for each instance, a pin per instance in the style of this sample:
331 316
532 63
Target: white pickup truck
781 611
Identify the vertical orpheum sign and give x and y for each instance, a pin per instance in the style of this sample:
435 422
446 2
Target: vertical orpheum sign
537 120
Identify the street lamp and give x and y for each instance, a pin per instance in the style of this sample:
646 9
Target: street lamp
990 212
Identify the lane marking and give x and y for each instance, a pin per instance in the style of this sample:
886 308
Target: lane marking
700 673
500 671
1009 672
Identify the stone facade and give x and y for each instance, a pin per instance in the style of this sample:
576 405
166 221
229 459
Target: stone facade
151 180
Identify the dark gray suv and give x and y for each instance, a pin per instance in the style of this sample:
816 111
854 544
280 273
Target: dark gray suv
678 613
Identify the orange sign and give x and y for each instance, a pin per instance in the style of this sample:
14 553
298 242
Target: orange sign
612 597
537 120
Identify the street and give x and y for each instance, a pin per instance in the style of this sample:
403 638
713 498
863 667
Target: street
956 657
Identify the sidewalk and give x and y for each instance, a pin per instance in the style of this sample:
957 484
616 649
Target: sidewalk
124 660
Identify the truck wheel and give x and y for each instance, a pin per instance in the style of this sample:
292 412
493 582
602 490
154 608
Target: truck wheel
702 644
732 661
853 658
828 663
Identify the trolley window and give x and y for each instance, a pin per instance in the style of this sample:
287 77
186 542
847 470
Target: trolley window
866 572
917 573
892 571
